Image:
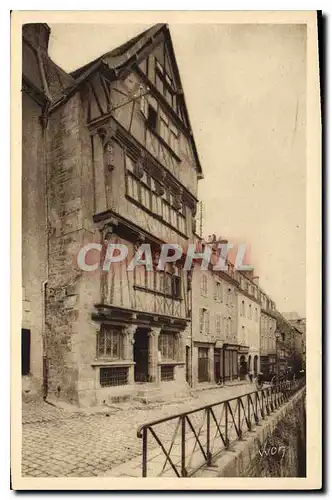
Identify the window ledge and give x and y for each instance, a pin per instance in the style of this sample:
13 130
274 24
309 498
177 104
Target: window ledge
156 292
156 216
170 363
118 362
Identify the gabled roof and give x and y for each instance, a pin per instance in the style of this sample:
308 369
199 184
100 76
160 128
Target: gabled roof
42 74
127 54
119 56
55 86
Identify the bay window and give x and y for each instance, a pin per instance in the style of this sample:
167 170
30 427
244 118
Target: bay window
166 282
158 122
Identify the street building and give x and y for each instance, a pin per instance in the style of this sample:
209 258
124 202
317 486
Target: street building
300 339
114 161
214 325
287 335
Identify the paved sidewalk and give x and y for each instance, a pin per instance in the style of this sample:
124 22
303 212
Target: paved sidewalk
58 442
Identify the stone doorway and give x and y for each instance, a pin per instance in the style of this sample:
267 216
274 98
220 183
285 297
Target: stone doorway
255 365
141 355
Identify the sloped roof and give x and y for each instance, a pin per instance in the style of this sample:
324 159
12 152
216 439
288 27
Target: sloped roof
121 56
56 85
43 74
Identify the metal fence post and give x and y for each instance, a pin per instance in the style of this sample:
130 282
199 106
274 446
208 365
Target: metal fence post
226 424
208 429
239 418
183 447
145 452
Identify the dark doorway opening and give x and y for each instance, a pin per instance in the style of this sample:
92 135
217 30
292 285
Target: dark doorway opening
187 364
249 364
227 366
141 355
25 351
203 365
255 365
217 365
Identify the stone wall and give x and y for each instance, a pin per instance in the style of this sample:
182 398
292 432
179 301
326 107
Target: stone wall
70 294
283 452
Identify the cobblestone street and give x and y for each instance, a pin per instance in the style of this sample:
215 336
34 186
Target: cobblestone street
58 442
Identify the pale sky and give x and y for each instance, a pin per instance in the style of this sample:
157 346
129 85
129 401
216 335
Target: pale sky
245 88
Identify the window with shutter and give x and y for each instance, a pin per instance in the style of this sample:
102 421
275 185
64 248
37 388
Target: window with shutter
164 128
152 118
201 320
218 324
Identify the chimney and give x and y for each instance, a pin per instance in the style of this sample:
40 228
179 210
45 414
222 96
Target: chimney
37 34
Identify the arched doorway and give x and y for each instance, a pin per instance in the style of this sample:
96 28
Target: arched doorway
255 365
243 367
249 364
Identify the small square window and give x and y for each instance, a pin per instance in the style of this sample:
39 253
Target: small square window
166 373
152 118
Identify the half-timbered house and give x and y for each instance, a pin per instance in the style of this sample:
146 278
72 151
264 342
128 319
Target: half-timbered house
215 344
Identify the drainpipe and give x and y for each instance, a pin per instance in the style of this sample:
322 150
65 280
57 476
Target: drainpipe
44 121
45 364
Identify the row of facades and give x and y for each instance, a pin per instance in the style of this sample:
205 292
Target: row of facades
109 157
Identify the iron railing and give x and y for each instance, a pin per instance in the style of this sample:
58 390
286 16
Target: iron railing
181 444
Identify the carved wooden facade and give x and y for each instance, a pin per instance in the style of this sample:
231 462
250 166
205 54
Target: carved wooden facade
145 172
